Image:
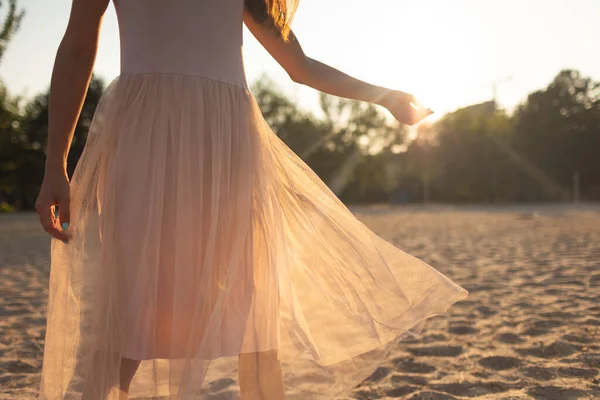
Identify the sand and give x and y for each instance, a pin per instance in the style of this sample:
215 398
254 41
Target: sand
530 328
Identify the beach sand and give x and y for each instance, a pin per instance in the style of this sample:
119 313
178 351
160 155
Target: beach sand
530 328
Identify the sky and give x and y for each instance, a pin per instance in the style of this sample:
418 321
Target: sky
449 53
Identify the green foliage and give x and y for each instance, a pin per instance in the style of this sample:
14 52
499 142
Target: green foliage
13 141
23 136
6 208
473 159
12 22
558 129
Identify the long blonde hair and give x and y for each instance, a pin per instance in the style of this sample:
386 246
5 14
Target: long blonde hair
277 13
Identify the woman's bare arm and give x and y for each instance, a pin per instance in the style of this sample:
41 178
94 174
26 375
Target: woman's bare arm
70 79
71 76
310 72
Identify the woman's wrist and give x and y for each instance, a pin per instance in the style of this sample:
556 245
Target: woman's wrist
393 97
56 164
386 97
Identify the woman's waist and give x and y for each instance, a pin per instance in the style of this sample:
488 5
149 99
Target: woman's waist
228 69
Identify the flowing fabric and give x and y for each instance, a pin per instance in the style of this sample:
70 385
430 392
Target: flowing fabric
204 252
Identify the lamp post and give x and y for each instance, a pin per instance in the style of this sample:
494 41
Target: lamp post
495 87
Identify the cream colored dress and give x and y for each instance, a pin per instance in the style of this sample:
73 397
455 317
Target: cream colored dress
199 235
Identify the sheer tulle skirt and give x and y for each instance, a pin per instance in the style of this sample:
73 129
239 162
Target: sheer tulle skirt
199 236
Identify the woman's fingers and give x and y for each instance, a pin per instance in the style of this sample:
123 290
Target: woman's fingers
407 109
64 210
49 221
420 112
55 192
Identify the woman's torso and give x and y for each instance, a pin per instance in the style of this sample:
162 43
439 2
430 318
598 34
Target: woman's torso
190 37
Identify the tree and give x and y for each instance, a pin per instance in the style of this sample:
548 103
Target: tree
558 129
23 137
11 25
10 122
473 161
13 145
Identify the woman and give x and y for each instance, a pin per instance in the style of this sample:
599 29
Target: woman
198 257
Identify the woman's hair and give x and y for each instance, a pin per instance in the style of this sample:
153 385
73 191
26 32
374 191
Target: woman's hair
277 13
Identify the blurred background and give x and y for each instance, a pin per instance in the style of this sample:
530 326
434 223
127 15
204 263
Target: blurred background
498 190
514 85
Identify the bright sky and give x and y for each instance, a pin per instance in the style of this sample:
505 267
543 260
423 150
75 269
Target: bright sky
448 53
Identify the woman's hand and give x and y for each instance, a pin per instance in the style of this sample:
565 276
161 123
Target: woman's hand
405 108
55 191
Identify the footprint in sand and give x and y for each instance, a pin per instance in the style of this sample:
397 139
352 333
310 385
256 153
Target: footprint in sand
554 350
500 363
408 365
379 374
486 311
401 392
433 338
556 393
463 330
572 372
559 315
474 389
542 327
540 373
436 351
510 338
577 338
524 305
549 373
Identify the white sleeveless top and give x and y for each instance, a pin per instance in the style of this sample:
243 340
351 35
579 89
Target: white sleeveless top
190 37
